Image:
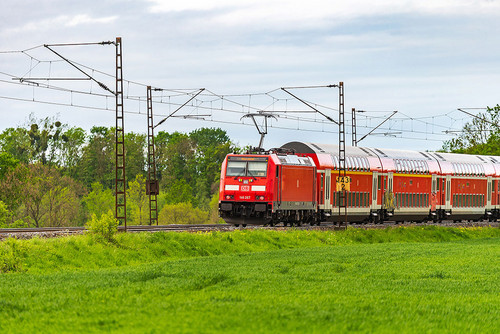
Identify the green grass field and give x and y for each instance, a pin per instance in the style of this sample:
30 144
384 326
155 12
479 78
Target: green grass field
395 280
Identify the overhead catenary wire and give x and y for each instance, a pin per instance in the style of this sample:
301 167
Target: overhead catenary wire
206 100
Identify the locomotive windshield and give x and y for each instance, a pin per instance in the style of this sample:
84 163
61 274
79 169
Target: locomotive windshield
239 167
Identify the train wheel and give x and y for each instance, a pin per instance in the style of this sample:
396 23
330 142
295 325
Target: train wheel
243 225
236 225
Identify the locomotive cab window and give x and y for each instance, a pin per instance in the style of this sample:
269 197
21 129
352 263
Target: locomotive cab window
236 168
239 167
257 168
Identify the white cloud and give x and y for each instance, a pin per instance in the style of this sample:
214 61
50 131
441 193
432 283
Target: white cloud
58 21
250 11
85 19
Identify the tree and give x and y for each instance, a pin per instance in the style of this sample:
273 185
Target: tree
99 200
62 205
195 159
17 143
7 162
135 155
212 146
73 142
479 136
179 191
98 158
41 195
138 201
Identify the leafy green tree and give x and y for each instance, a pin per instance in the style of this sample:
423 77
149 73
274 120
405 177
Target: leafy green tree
41 194
138 201
196 159
7 162
73 143
135 155
62 204
179 191
17 143
479 136
212 146
13 189
99 200
98 159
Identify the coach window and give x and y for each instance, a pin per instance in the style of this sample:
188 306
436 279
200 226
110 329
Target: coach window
414 165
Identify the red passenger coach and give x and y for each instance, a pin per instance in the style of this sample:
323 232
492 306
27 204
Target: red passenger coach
267 188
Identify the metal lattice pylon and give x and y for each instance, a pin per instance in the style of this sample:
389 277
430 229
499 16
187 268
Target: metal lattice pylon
152 188
342 164
120 176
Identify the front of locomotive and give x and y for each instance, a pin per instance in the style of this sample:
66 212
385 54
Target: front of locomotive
246 189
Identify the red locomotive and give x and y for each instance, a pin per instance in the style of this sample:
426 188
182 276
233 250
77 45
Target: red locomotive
384 185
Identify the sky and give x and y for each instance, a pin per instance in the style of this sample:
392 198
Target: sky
424 59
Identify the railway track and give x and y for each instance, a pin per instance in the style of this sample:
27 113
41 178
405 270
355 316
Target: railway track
53 232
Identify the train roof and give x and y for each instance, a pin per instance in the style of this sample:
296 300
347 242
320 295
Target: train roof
404 160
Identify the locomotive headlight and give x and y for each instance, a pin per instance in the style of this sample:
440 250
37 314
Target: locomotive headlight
229 196
261 198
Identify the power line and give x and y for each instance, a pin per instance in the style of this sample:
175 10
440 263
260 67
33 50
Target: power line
205 100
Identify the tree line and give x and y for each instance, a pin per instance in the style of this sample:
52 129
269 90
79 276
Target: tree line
52 174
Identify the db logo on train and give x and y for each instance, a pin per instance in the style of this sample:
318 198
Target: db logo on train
245 188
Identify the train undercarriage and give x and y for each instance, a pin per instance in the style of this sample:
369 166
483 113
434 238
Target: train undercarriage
249 213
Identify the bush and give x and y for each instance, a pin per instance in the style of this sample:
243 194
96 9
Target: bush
182 213
5 215
10 256
105 227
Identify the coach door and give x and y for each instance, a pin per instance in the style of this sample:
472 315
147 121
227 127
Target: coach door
327 190
434 196
374 189
390 177
447 191
489 191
